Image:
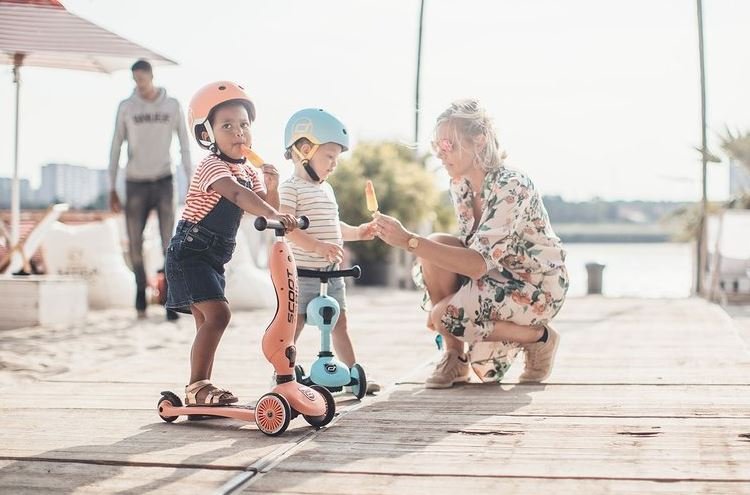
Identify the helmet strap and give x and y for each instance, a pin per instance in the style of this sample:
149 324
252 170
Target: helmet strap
211 143
306 161
310 171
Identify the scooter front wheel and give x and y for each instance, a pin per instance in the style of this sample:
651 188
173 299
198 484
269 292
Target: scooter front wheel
168 398
272 414
320 421
359 389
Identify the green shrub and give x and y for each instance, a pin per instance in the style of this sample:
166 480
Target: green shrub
404 187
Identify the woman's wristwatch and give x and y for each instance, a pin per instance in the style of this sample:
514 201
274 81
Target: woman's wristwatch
412 243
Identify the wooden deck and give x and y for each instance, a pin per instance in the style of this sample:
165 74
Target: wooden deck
648 396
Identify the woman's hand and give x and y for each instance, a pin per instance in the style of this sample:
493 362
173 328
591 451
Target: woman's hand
332 252
390 230
270 177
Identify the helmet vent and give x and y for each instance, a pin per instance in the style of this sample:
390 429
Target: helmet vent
222 88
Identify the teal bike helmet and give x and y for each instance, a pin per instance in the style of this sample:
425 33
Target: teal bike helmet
317 126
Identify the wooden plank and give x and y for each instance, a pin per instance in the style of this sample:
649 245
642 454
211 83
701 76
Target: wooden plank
565 400
138 437
35 477
303 483
472 444
648 341
515 400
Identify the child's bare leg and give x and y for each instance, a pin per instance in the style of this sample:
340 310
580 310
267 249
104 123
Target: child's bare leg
342 344
216 316
200 318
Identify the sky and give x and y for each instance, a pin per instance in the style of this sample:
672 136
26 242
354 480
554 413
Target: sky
591 98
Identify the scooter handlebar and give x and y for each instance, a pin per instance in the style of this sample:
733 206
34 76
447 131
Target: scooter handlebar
354 272
262 223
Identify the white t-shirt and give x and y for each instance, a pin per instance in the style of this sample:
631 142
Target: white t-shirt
318 203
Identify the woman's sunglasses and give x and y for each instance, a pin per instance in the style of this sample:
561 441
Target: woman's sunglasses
444 145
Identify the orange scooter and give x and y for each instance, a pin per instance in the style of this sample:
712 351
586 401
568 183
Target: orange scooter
288 399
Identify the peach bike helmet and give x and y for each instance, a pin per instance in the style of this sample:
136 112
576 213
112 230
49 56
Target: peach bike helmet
203 103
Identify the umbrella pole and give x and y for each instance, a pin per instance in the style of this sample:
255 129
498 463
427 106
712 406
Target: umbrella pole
15 201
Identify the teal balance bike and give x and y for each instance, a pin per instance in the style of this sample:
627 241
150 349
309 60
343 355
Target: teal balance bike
323 312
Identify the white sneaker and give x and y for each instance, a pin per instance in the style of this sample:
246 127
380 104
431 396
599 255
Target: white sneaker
540 356
452 368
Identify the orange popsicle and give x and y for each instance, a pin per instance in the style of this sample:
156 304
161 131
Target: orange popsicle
372 200
252 156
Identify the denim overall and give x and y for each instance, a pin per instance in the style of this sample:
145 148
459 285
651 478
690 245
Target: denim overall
197 254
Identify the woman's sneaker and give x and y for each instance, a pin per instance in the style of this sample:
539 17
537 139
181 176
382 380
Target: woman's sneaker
540 356
452 368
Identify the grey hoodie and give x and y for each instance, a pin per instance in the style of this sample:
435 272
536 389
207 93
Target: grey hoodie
147 126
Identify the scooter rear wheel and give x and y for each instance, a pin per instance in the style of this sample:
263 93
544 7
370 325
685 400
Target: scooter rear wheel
171 399
272 414
320 421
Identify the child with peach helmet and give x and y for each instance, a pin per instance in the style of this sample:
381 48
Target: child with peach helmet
221 190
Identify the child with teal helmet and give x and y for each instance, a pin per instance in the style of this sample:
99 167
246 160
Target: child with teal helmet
314 139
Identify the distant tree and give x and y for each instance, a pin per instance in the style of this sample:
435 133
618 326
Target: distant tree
737 146
404 188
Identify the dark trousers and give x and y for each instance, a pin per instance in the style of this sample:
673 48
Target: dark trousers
141 198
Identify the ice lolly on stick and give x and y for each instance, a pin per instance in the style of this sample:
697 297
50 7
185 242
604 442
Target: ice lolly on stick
252 156
372 200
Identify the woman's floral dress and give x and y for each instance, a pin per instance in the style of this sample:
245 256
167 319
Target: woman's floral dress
526 281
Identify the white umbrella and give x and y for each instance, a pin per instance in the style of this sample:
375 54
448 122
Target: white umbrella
41 33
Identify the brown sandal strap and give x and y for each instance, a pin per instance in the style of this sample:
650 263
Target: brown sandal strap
213 397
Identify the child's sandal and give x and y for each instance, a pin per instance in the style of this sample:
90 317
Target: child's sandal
214 397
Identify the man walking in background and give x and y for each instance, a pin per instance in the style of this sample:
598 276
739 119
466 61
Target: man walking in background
147 120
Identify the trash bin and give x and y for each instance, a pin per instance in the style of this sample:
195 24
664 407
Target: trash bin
595 272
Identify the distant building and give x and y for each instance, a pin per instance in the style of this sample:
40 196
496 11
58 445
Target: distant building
73 184
6 192
739 178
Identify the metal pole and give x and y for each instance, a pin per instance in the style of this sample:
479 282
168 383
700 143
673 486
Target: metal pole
15 197
701 241
419 70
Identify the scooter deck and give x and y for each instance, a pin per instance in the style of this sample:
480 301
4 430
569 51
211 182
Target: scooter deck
241 412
